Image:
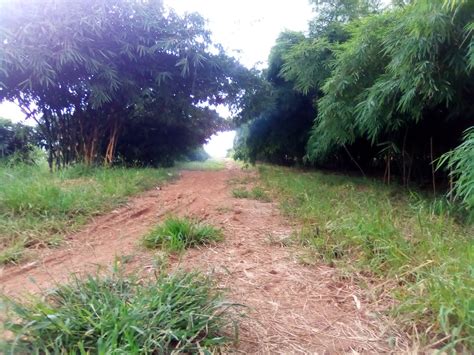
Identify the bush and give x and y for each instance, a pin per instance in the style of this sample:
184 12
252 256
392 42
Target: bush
177 313
18 142
460 162
177 234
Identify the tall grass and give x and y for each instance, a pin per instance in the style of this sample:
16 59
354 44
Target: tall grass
181 313
37 208
420 257
177 234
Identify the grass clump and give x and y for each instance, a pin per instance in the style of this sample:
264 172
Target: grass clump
421 257
181 313
256 193
177 234
240 193
37 207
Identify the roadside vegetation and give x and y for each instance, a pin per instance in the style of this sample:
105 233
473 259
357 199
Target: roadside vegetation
177 234
375 89
38 208
396 243
179 313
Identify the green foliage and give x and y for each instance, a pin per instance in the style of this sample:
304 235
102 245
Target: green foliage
17 142
177 234
179 313
423 257
307 64
356 68
460 163
398 70
388 85
121 77
330 14
38 208
278 130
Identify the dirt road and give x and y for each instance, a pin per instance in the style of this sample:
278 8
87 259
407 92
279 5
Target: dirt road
292 308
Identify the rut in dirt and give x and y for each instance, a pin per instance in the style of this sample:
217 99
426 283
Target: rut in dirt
290 307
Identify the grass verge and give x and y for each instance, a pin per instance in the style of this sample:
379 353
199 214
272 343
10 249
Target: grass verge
418 256
38 208
176 234
181 313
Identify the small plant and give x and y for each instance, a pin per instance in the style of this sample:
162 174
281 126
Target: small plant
240 193
181 313
177 234
257 193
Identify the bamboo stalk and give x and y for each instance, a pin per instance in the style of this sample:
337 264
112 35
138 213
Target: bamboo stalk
432 166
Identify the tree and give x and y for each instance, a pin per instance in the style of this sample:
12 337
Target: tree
403 78
278 123
16 140
82 68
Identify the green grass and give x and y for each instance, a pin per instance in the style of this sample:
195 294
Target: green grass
181 313
421 257
256 193
176 234
38 208
210 164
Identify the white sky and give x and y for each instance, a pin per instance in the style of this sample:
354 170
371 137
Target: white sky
249 26
246 28
219 144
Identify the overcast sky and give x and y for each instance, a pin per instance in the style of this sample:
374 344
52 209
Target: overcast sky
250 26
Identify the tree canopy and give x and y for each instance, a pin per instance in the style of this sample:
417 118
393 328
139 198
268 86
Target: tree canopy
392 88
89 70
277 117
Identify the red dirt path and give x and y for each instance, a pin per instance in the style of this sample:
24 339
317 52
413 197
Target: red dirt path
291 308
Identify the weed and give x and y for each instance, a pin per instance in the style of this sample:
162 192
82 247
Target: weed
161 261
181 313
177 234
422 253
257 193
240 193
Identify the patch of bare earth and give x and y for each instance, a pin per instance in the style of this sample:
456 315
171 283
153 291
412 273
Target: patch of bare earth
291 308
